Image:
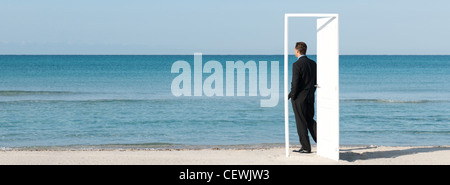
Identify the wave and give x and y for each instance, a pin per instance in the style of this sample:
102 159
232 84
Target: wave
393 101
418 132
26 93
88 101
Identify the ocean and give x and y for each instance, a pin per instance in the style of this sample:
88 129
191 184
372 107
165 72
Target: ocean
126 100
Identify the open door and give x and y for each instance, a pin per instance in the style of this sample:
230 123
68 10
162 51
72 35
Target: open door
328 87
327 80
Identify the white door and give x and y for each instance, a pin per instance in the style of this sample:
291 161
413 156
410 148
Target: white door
328 90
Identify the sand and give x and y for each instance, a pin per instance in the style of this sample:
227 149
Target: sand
349 155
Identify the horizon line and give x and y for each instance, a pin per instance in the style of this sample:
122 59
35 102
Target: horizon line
247 54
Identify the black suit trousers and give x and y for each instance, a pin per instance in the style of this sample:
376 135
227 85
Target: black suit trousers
304 118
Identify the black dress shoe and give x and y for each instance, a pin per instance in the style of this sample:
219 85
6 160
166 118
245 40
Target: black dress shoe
305 151
302 151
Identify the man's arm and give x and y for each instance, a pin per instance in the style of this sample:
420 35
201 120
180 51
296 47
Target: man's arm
295 81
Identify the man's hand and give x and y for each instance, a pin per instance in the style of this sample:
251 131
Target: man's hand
289 96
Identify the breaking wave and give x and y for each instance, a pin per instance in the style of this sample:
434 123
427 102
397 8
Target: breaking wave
393 101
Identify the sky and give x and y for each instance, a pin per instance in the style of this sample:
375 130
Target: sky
367 27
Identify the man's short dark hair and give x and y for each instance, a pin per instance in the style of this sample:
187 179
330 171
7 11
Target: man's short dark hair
301 46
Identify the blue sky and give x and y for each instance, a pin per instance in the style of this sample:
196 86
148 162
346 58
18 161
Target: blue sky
218 27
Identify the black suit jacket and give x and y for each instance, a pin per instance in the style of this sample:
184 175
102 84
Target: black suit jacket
304 79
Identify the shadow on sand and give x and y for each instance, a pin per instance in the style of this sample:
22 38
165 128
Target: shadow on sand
350 155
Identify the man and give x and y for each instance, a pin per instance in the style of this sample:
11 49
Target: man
303 83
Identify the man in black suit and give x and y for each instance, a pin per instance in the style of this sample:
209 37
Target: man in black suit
303 86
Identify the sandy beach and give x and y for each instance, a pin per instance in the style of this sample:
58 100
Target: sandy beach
349 155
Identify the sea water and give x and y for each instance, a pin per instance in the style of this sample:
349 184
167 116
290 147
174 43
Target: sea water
65 100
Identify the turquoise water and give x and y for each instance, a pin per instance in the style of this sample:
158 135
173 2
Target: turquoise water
59 100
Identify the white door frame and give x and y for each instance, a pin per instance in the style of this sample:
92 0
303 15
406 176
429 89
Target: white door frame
327 80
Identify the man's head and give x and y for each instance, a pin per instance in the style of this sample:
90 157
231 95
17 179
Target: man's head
300 49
